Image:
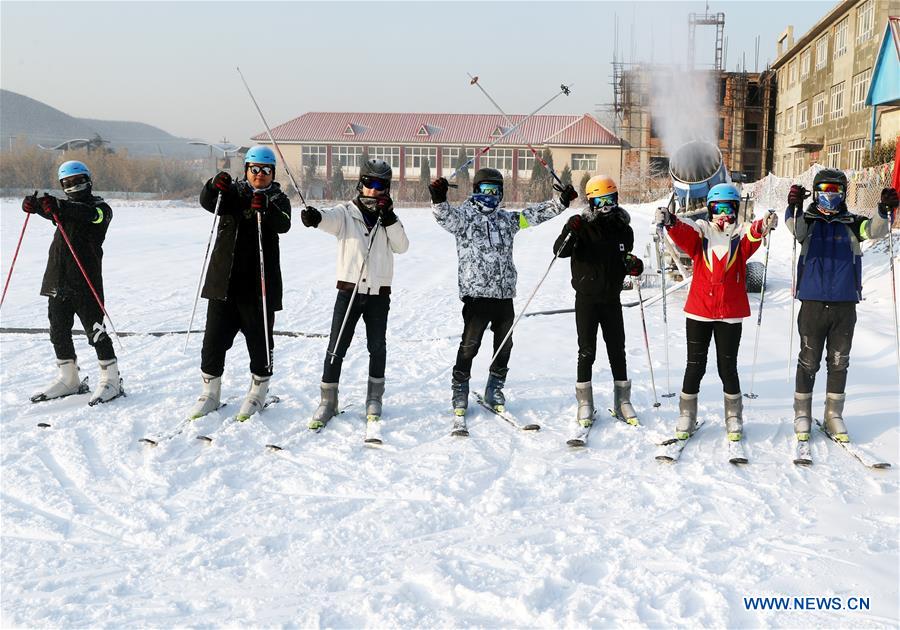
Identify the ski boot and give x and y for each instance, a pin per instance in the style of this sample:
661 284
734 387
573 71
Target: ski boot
374 394
66 383
493 392
210 399
584 394
256 397
734 420
460 396
687 416
834 417
110 385
802 416
622 407
327 408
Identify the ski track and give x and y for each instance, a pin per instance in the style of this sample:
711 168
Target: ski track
501 529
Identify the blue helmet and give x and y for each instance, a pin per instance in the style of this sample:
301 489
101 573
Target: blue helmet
72 167
723 192
259 155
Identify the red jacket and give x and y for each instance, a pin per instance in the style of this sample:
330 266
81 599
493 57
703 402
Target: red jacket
718 288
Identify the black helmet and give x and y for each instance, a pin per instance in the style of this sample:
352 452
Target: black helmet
830 176
376 168
486 175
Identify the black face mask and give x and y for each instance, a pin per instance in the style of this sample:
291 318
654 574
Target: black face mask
366 203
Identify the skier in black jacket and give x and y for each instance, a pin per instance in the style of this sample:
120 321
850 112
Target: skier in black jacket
232 283
85 219
599 244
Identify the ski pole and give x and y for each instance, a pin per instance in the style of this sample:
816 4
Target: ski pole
762 300
530 297
333 352
272 140
203 269
563 89
537 156
656 402
86 278
660 235
15 255
894 286
262 284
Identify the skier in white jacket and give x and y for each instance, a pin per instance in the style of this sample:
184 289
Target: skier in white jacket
369 218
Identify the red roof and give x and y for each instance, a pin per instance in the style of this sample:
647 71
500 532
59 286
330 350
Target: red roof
441 129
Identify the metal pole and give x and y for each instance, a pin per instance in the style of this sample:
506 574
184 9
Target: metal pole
660 235
272 140
203 270
15 255
333 352
793 294
894 287
262 283
762 300
656 402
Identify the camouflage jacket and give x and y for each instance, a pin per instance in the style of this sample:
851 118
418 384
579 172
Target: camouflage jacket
484 244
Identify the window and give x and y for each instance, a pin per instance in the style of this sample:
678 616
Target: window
841 35
526 162
819 109
584 161
346 157
837 101
450 159
834 156
859 90
857 150
415 155
752 100
798 163
778 128
751 136
391 155
500 159
659 166
792 73
789 120
865 21
721 129
315 155
802 113
822 52
805 60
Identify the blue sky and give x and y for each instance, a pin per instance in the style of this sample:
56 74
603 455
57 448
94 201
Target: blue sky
172 64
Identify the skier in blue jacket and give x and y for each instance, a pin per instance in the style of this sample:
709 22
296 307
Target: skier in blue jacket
829 285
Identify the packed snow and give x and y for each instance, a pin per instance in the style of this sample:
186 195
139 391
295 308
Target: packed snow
501 529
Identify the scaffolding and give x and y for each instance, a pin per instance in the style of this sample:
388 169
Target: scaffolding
707 19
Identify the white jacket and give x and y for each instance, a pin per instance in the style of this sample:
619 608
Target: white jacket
346 222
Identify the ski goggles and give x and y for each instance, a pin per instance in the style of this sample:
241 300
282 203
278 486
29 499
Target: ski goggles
722 207
494 190
75 183
603 201
828 187
257 169
374 183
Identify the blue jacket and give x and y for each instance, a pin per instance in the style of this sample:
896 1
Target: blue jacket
830 265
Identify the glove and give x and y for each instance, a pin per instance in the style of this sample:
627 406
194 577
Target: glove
634 266
384 206
259 202
889 201
310 217
664 218
31 204
49 205
768 223
222 182
574 223
566 195
796 195
438 189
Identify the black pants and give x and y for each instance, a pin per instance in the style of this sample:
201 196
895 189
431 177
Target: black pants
61 313
728 339
477 314
588 316
224 319
374 311
825 325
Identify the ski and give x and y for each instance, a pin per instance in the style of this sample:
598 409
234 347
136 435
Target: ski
276 447
121 394
864 457
505 416
174 432
634 422
803 452
459 424
208 438
581 435
736 454
373 431
670 450
83 388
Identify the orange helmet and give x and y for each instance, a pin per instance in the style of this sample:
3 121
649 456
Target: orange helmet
599 185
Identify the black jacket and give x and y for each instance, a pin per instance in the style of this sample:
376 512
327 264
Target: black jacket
86 222
596 251
234 265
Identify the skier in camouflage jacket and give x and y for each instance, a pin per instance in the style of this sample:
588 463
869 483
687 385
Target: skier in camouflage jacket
487 275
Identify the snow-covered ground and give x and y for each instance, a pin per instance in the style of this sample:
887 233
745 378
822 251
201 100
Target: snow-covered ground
503 529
